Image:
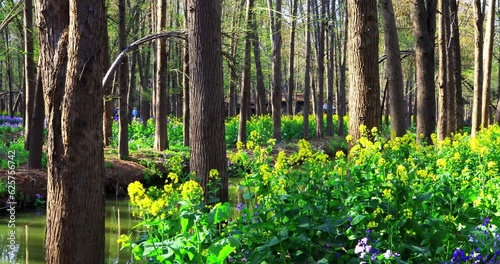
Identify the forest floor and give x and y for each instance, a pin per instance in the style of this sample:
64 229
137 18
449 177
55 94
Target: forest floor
119 173
30 182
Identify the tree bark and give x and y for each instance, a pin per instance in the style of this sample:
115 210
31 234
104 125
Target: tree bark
307 77
123 79
331 71
291 84
393 70
74 106
456 66
443 84
37 117
489 38
247 67
364 90
320 52
424 24
276 96
108 95
207 129
185 89
478 67
29 70
161 138
261 90
341 104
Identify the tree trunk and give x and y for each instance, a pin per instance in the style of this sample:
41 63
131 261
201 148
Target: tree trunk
29 70
364 90
307 78
145 94
37 117
291 88
341 104
393 70
456 66
108 95
245 86
331 71
489 38
320 52
185 89
161 138
424 23
261 90
275 18
131 87
478 67
443 84
74 106
207 129
123 79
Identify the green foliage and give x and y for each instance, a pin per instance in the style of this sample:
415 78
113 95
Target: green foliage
387 201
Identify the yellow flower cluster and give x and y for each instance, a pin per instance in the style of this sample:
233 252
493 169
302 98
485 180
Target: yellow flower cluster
191 191
407 213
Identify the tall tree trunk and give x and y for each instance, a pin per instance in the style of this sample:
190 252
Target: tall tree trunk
451 114
37 117
307 77
233 105
331 69
320 52
131 87
185 89
74 106
364 90
341 104
478 67
245 87
29 70
424 24
123 79
393 70
207 129
291 88
443 94
275 18
144 74
489 38
261 90
456 66
107 115
161 138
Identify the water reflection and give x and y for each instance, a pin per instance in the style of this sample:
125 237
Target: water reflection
19 242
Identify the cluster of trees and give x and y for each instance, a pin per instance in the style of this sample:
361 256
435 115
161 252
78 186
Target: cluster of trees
177 67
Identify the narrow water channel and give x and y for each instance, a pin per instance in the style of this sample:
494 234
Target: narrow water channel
31 244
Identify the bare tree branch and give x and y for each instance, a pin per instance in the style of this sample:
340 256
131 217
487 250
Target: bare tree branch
135 45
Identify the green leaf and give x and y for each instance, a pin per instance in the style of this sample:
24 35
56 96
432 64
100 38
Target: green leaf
274 241
357 219
221 249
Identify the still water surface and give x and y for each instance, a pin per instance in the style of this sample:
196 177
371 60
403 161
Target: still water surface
33 244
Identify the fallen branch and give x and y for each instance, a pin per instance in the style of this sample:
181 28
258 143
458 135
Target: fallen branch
135 45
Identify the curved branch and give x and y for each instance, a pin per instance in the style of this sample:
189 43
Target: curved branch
135 45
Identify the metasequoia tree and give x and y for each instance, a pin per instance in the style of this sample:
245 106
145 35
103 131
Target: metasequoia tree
307 77
443 80
393 70
320 12
29 70
71 39
364 90
245 86
478 66
122 90
160 87
487 61
424 26
291 70
275 18
207 128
